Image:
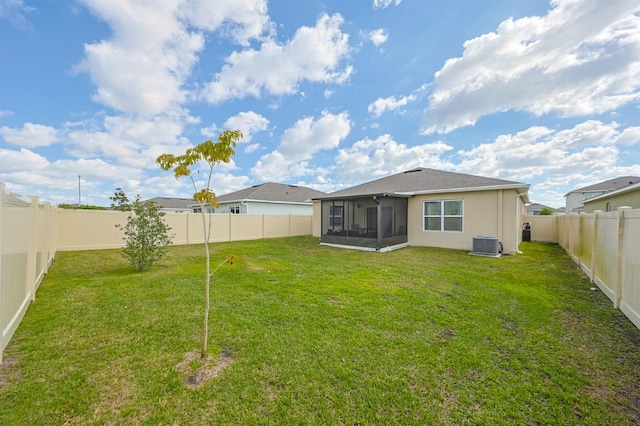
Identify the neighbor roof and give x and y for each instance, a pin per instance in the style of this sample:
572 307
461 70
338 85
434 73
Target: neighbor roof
623 190
424 180
172 203
269 191
609 185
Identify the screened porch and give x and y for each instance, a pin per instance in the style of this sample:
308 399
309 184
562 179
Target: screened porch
372 222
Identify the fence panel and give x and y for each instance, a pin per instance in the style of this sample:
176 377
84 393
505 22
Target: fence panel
585 241
605 253
630 297
26 249
607 247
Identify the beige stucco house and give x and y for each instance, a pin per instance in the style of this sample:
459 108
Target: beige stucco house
575 200
422 207
628 196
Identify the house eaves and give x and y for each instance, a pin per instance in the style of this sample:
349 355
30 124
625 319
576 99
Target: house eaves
613 193
303 203
523 189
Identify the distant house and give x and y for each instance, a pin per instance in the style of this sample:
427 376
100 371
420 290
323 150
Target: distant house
422 207
269 198
574 200
536 208
627 196
173 205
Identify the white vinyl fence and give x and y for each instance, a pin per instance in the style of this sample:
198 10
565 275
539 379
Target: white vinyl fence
27 247
31 233
606 246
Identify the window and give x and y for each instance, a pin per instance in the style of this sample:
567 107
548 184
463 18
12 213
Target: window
608 207
443 215
335 215
235 210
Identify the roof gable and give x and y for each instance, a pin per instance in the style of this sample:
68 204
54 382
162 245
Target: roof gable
609 185
424 180
276 192
172 203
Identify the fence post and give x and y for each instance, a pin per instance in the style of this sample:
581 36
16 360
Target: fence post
1 305
594 245
32 251
619 258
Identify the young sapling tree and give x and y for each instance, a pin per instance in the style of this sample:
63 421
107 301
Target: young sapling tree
209 153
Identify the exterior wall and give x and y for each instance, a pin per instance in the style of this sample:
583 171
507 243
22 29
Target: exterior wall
317 217
629 199
252 207
573 202
496 213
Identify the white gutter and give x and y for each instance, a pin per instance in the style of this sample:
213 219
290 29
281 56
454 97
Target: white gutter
518 219
476 188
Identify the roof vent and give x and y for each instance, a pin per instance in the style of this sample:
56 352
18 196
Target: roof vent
414 170
486 246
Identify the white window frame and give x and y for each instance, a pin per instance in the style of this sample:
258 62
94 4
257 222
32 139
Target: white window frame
442 215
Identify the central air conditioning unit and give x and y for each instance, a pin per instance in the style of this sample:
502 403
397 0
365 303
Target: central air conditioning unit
486 246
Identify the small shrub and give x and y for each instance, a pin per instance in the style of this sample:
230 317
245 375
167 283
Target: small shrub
146 235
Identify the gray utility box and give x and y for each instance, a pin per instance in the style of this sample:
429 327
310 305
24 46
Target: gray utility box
486 246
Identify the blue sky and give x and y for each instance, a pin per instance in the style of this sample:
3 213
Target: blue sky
328 94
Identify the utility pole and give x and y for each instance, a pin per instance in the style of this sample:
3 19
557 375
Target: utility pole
79 193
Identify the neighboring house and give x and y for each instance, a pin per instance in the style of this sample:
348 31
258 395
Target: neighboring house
422 207
536 208
627 196
269 198
173 205
575 199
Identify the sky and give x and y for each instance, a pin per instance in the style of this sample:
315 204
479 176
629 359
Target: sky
328 94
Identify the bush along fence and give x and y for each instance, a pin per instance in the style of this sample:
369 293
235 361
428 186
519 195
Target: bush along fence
32 232
606 246
27 247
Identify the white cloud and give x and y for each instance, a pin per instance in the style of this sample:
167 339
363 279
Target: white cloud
5 113
248 123
131 141
143 67
30 136
378 36
314 54
392 103
384 156
251 148
587 152
299 143
382 4
14 11
629 136
583 57
242 20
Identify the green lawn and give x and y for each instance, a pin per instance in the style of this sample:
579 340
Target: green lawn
318 335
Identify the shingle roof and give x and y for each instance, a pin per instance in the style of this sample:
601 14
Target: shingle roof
172 203
270 191
423 180
609 185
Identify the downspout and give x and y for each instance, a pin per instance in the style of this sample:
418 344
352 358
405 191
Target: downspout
518 223
378 223
246 205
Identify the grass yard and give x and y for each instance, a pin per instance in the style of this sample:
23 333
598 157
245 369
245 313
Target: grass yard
317 335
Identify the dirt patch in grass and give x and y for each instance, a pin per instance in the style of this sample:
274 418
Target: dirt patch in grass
199 371
9 372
